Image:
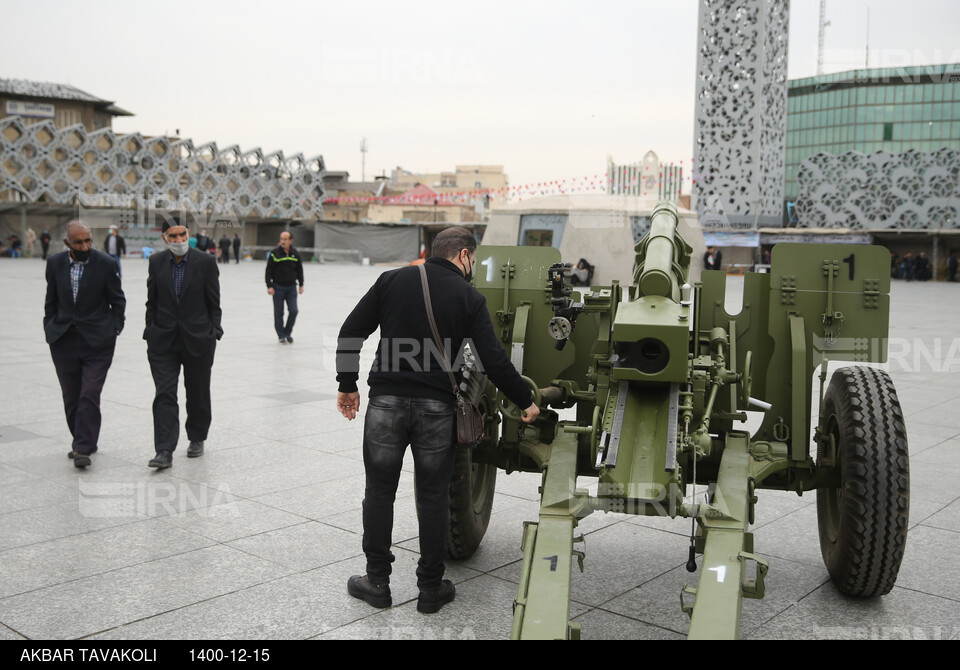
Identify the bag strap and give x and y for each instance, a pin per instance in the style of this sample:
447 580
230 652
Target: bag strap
428 303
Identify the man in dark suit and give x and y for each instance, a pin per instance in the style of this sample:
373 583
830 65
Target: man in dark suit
224 249
83 314
183 326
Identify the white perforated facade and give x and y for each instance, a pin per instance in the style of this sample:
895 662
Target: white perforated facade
740 125
880 191
41 163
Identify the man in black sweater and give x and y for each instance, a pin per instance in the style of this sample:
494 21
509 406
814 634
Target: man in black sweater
284 272
412 402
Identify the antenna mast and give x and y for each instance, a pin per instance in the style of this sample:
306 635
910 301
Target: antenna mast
822 34
363 159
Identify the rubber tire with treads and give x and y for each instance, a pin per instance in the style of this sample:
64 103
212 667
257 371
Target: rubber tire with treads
471 499
863 523
472 484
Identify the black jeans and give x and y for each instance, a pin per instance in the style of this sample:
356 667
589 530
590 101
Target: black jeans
281 295
390 424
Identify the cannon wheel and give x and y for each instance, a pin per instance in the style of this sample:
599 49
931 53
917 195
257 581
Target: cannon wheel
863 521
472 485
471 499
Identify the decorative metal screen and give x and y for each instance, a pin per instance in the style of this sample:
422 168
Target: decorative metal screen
911 190
69 165
741 114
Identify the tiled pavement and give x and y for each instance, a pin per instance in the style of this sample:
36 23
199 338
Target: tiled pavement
256 539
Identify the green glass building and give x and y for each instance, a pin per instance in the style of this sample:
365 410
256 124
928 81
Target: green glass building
888 109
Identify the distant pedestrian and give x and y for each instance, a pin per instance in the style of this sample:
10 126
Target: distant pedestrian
30 243
115 247
284 272
710 259
224 249
193 241
922 269
204 243
236 247
906 267
952 266
45 242
83 315
16 246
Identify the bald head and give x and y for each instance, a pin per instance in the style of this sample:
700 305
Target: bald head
78 239
77 225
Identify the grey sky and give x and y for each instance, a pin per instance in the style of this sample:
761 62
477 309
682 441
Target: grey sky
546 89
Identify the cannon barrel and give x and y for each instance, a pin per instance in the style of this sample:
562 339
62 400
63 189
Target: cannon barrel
651 331
662 256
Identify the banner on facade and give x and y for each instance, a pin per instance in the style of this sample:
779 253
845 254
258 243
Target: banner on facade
33 110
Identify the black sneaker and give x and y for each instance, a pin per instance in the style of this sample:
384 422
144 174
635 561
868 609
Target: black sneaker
431 600
195 449
377 595
80 460
283 340
289 340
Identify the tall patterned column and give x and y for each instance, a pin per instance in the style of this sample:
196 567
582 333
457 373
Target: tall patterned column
741 118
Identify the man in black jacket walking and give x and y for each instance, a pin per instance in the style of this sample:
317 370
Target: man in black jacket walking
83 315
45 239
115 247
183 325
224 249
284 272
412 402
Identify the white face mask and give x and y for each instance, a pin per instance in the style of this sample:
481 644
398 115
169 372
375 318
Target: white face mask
179 248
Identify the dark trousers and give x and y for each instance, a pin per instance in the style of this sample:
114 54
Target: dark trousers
281 295
236 254
82 372
165 368
390 424
225 254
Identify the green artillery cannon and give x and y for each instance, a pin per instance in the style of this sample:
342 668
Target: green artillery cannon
655 387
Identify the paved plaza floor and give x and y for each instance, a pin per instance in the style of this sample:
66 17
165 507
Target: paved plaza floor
256 539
